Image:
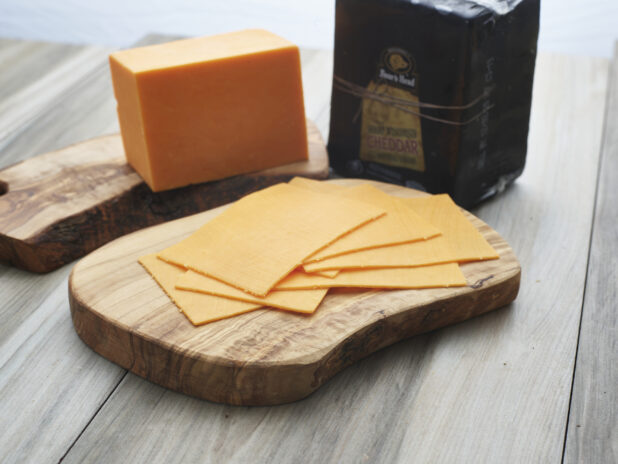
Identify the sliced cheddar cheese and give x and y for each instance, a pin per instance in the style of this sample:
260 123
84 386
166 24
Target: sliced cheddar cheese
460 242
199 308
261 238
206 108
441 275
466 241
302 301
436 250
398 226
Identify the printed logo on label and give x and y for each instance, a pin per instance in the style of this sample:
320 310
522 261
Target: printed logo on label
397 60
397 67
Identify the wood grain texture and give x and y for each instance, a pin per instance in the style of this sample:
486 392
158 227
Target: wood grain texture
71 68
59 206
24 63
492 389
263 357
43 409
592 434
50 387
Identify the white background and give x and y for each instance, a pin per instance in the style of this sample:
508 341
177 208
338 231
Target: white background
583 27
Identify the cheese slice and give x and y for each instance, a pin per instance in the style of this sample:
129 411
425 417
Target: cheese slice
261 238
441 275
460 242
466 241
206 108
302 301
197 307
436 250
398 226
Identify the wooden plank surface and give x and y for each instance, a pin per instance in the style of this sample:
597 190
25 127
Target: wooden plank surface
494 389
44 407
592 434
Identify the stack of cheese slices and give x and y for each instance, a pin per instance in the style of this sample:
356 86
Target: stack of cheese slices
284 247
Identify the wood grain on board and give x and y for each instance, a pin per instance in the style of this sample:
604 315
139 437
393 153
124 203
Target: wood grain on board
61 205
592 434
264 357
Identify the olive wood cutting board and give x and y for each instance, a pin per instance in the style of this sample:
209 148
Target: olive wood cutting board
266 356
61 205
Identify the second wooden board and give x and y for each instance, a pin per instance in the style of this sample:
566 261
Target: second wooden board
61 205
267 356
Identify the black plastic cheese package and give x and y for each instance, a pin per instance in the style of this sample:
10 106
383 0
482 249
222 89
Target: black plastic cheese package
435 94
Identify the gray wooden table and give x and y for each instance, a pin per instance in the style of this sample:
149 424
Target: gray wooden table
534 382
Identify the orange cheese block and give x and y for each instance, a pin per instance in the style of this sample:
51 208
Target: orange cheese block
302 301
460 242
206 108
264 236
400 225
199 308
439 275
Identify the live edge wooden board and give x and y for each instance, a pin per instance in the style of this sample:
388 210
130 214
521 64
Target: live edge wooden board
267 356
61 205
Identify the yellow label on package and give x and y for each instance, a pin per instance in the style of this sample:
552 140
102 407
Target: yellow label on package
390 132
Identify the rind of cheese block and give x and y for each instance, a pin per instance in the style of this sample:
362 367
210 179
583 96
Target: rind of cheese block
264 236
302 301
199 308
207 108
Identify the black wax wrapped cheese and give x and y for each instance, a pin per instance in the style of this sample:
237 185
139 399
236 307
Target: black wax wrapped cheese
433 94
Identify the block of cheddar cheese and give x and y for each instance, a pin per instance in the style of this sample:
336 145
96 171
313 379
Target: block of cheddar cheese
207 108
